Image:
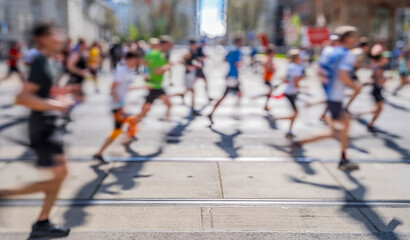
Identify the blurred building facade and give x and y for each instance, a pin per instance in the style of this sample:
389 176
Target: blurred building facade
253 17
124 13
376 19
90 19
152 18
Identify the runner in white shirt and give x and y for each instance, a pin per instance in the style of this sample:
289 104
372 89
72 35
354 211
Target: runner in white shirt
123 78
294 74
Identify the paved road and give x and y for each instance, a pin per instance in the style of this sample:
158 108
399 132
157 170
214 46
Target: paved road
244 181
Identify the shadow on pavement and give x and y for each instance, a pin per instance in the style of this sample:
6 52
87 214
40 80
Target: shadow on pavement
271 121
227 143
177 132
76 215
12 123
6 106
398 107
296 154
367 216
388 139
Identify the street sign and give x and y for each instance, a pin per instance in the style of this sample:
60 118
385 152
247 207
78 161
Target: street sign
318 35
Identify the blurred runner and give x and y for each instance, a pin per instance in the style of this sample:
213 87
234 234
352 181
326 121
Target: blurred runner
13 59
233 58
191 65
339 65
157 65
201 57
123 78
403 69
94 62
378 65
270 70
360 53
45 136
294 75
115 52
77 66
323 72
141 54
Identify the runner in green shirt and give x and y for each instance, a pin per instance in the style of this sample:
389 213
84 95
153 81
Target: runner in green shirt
155 59
157 64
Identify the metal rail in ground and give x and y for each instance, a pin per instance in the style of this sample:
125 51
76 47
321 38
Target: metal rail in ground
215 203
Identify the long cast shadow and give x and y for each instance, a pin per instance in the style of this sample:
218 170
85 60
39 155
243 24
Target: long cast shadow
227 142
76 215
177 132
296 154
398 107
388 139
367 216
12 123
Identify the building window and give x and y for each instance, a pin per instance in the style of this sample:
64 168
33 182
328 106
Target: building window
36 10
381 23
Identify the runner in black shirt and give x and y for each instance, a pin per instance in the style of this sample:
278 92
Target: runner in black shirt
200 57
45 138
191 65
78 69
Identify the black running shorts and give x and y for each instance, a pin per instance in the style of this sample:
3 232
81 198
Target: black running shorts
154 94
292 101
46 139
335 109
377 94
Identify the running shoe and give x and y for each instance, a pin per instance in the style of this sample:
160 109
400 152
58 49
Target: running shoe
371 130
211 120
100 158
195 113
48 230
290 135
348 166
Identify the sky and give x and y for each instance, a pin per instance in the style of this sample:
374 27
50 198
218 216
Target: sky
211 23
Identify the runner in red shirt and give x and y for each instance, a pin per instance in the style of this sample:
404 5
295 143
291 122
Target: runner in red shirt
14 56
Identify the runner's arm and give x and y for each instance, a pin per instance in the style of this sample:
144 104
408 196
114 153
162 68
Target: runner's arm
163 69
27 98
344 76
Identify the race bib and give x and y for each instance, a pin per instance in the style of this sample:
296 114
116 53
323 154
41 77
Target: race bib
232 82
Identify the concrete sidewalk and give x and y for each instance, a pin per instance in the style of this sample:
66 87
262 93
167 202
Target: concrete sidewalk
318 182
221 180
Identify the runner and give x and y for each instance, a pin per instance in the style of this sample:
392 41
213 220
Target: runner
45 136
191 66
270 70
200 57
403 70
115 52
157 65
77 66
94 61
234 60
14 57
323 73
360 53
379 63
122 79
338 65
294 75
